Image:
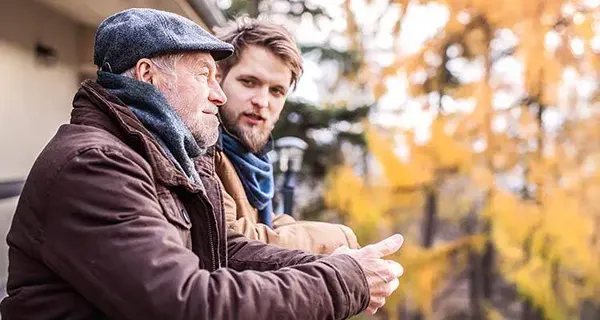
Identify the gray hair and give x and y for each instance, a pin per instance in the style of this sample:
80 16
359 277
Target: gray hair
165 63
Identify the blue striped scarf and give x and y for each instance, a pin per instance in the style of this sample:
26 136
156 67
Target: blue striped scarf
256 173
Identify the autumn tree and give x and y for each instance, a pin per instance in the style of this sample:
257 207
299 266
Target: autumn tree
519 140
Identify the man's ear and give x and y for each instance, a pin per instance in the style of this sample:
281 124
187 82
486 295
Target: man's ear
145 71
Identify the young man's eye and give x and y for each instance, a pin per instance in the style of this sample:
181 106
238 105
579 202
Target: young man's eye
277 92
247 82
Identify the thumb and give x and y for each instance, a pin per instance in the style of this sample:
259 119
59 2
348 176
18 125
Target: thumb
387 246
341 250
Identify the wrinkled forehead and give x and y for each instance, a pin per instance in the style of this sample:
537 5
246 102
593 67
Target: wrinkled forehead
198 60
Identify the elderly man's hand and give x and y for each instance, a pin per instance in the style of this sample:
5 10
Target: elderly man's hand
382 275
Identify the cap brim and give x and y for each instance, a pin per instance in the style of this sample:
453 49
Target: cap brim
221 54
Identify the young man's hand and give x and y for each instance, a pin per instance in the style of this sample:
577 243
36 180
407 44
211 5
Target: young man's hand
382 275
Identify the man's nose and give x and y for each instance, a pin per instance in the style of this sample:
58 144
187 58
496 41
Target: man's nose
216 94
261 97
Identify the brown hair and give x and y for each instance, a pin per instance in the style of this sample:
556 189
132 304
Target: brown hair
246 31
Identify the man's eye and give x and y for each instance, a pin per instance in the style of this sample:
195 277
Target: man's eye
277 92
202 77
247 82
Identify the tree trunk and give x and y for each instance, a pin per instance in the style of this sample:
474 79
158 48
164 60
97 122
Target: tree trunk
487 260
402 310
475 270
487 264
475 286
589 311
526 310
530 312
429 223
428 227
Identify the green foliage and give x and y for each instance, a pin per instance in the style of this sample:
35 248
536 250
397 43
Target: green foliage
350 61
300 119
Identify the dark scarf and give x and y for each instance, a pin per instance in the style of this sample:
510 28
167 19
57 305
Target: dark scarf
255 172
152 109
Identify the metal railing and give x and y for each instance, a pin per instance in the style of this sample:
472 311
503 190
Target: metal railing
9 189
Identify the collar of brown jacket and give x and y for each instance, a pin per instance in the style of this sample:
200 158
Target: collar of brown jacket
233 186
94 106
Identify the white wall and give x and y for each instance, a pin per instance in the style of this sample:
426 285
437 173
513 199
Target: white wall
35 98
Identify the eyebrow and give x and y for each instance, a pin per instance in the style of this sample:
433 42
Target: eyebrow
277 86
203 63
282 88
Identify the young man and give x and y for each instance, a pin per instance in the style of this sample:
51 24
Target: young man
256 79
121 216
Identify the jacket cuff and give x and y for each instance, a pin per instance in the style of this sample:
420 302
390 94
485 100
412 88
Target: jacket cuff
353 282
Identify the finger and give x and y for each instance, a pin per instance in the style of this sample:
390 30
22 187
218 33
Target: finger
396 268
371 310
381 290
386 247
385 289
341 249
393 285
381 272
376 303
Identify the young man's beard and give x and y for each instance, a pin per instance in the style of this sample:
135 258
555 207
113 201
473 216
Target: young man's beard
253 138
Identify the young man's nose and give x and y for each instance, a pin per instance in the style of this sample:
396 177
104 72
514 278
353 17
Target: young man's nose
261 97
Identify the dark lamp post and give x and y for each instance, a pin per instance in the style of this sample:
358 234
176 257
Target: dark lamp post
290 151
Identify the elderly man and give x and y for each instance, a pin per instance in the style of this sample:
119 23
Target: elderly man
121 216
264 68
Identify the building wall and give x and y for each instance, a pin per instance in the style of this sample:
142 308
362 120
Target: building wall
35 97
35 94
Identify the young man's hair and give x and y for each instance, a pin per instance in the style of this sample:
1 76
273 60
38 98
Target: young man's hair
246 31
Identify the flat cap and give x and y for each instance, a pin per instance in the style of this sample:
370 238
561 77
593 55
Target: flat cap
130 35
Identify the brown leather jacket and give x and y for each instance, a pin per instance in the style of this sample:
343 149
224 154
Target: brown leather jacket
312 236
106 227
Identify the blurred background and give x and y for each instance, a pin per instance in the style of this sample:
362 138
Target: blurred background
467 126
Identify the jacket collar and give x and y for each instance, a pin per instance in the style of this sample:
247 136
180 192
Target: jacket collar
94 106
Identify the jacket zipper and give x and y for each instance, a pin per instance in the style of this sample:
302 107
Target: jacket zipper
210 236
212 249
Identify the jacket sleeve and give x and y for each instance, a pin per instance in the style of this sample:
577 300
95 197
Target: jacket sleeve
249 254
312 236
107 237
